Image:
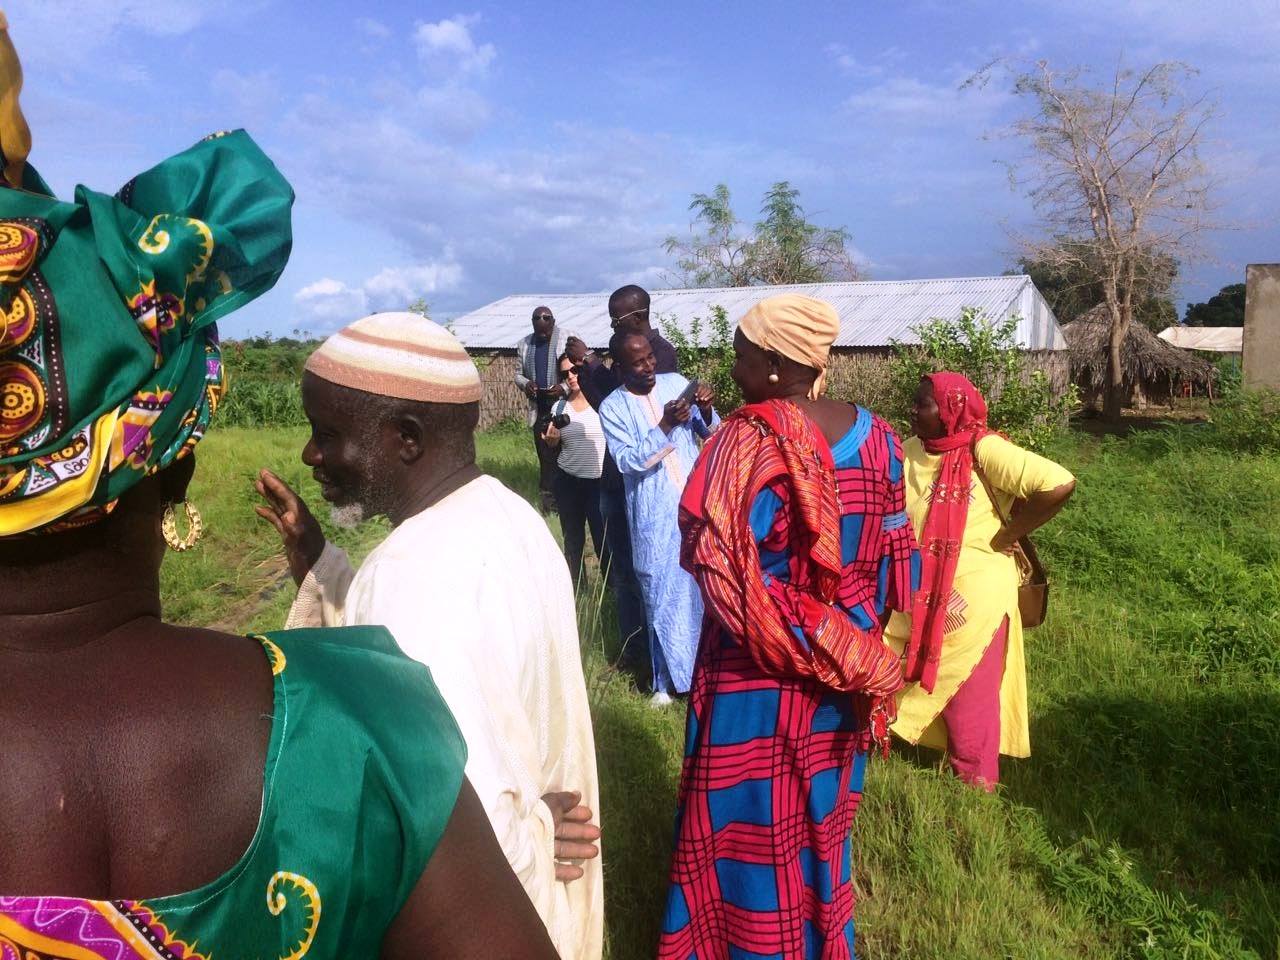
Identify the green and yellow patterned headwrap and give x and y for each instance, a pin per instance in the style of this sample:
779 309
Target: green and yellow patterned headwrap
109 359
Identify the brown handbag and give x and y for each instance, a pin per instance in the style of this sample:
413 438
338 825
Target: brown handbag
1033 594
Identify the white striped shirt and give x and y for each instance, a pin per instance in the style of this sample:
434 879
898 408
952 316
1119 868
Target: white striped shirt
582 442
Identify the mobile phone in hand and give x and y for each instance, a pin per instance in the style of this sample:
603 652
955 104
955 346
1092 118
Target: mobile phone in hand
689 392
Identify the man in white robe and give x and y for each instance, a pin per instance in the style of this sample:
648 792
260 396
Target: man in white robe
653 435
470 582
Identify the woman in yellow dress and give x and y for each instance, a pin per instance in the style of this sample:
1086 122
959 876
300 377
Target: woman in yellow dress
967 683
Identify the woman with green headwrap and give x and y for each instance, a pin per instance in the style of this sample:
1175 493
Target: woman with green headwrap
170 792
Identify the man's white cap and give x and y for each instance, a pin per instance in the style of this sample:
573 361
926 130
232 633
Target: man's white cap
401 355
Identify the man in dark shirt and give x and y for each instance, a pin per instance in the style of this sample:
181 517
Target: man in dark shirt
629 312
538 376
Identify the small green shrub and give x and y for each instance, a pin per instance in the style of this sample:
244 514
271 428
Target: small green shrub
1021 401
1230 376
711 363
1248 421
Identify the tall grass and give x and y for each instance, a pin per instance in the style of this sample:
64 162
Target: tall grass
263 384
254 403
1143 826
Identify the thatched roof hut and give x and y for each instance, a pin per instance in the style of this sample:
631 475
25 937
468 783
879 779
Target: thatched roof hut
1153 369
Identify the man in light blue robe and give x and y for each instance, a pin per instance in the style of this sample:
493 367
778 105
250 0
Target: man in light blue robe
653 436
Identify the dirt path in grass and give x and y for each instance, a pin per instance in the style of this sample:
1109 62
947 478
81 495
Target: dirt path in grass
271 575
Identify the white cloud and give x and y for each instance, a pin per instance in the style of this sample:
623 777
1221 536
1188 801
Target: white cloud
86 26
322 288
1247 27
654 275
867 67
328 303
250 95
450 42
849 64
374 28
458 113
907 100
394 288
586 210
446 97
487 222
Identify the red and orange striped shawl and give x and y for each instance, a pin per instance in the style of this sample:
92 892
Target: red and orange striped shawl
754 447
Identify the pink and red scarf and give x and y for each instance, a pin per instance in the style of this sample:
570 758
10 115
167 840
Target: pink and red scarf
964 418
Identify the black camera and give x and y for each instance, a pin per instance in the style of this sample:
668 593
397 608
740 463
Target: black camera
559 421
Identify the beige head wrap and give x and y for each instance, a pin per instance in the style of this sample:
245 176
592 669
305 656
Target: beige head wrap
797 327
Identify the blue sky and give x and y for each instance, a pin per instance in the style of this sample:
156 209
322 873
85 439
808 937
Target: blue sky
463 153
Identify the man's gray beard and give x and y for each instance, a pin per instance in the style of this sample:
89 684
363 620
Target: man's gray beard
347 516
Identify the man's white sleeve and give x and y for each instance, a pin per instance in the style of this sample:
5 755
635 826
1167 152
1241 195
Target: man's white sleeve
322 597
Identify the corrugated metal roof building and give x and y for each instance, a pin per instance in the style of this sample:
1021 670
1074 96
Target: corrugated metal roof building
872 313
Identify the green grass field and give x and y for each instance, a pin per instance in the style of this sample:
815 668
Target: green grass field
1144 826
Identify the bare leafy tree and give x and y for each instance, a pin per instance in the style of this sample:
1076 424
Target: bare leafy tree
1072 290
1114 170
783 247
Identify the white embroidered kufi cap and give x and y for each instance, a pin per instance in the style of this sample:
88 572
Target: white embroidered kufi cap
401 355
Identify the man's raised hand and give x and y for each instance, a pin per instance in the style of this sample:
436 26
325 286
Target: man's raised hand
299 531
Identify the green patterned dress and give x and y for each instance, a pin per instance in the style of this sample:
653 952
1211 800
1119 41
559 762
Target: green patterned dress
362 773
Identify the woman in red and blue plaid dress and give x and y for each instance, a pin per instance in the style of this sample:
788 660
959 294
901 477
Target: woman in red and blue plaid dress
795 529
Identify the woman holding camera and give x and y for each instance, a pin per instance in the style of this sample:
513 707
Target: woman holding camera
574 431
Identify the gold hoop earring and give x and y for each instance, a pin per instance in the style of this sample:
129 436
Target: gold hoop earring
773 378
169 527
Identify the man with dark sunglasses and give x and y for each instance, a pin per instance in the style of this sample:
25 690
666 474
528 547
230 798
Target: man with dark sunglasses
538 376
628 312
